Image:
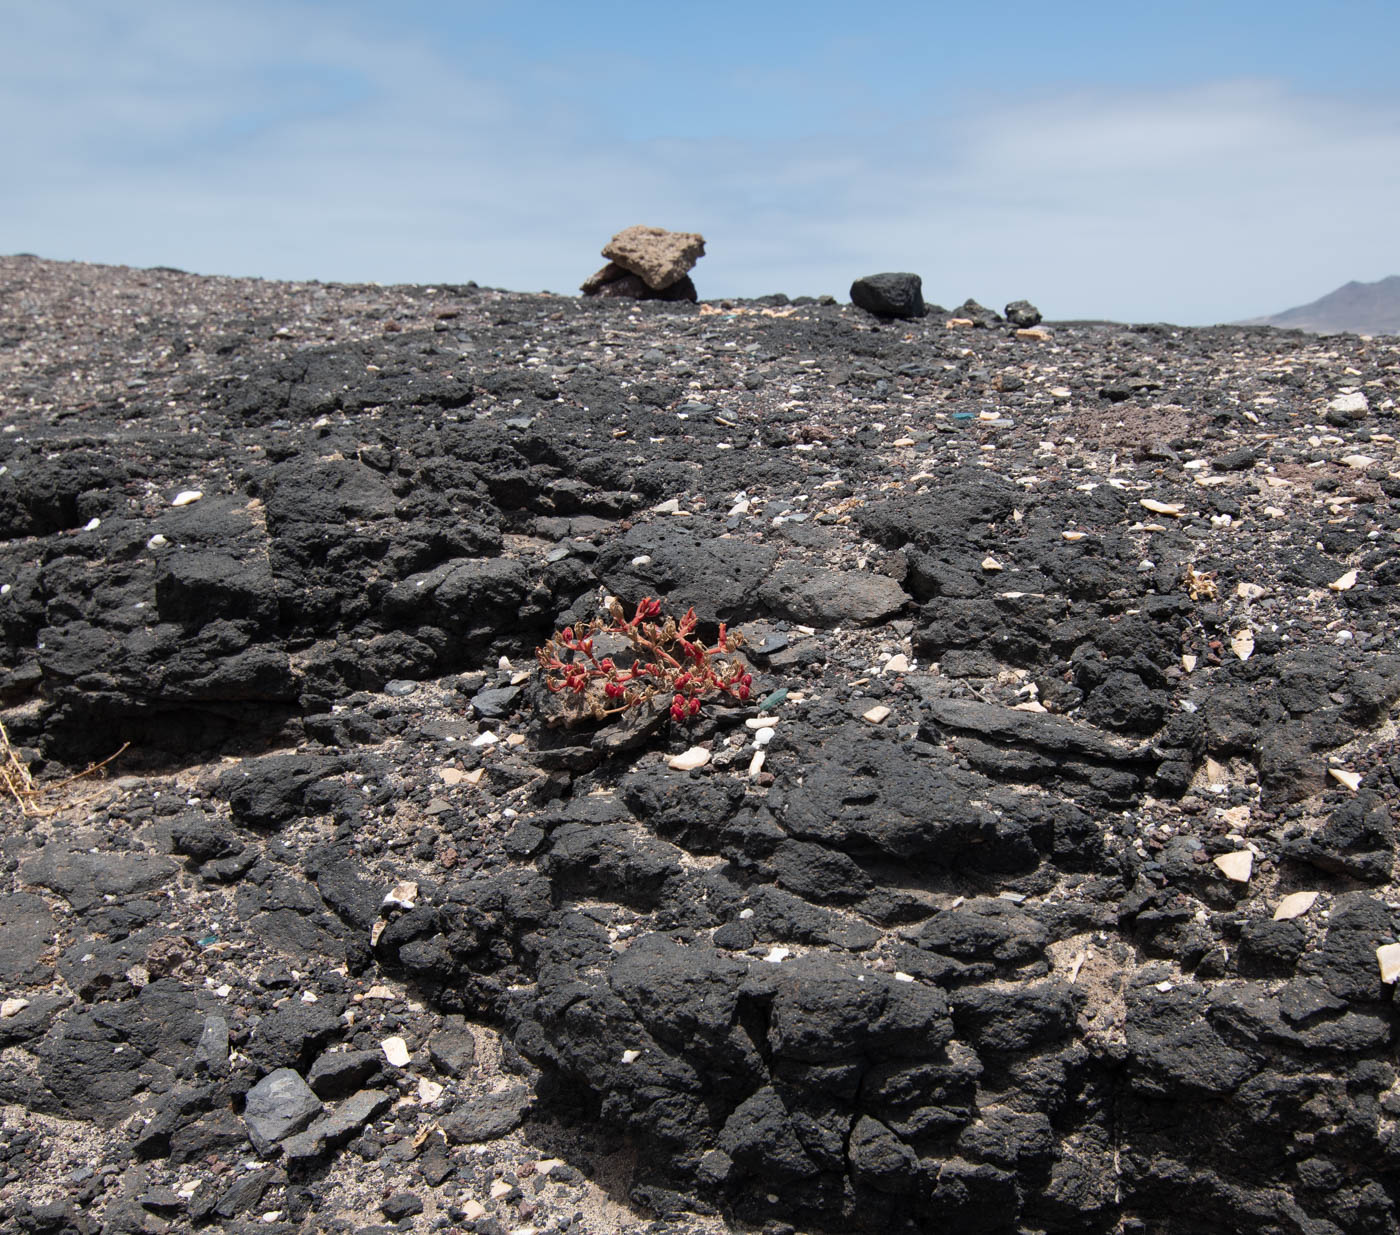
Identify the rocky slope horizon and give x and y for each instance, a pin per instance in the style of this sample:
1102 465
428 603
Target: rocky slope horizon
1045 883
1354 308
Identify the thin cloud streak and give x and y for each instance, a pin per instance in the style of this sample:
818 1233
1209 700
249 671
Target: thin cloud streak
175 137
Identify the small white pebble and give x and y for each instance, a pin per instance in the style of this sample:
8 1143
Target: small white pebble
186 496
686 761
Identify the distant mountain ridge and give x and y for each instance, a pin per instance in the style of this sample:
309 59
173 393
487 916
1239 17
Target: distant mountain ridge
1354 308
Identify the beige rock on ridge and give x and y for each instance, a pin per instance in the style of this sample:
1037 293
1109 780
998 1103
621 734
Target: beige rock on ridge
647 263
658 257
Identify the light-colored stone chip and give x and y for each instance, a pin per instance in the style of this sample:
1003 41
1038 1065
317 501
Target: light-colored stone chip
1174 509
1294 905
1237 866
1388 954
686 761
1352 780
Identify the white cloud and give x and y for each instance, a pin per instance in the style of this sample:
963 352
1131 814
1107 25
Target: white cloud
279 141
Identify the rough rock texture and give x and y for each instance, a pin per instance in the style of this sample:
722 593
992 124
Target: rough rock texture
360 929
1023 314
658 257
889 295
612 282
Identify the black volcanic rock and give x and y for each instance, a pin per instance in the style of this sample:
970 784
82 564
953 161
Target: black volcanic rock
1023 314
936 935
889 295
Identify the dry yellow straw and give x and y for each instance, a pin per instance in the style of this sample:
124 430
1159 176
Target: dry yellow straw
23 788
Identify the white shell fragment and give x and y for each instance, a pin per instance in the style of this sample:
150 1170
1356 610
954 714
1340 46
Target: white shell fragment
1344 583
631 1056
687 761
1074 535
900 663
1237 866
756 763
12 1007
1249 591
1175 509
991 564
1242 644
1388 954
186 496
877 714
428 1091
1350 401
403 894
1294 905
1352 780
777 955
395 1051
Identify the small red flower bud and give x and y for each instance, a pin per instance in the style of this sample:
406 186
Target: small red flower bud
568 634
695 707
743 692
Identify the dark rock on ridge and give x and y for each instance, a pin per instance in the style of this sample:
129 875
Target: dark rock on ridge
889 295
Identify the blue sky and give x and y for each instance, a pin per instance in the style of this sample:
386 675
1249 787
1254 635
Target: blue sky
1188 162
